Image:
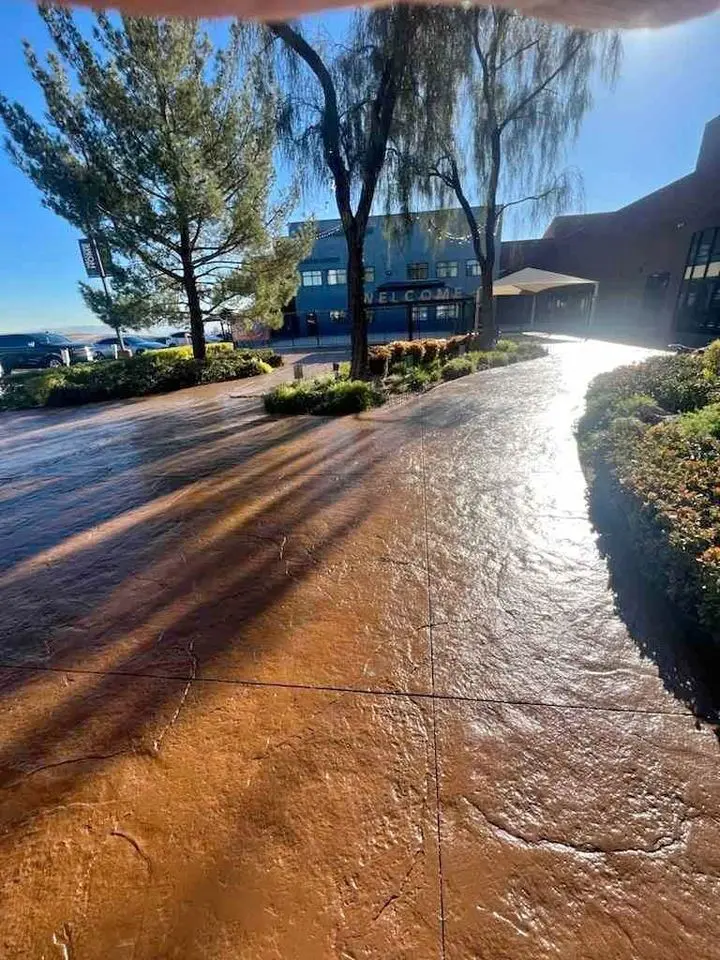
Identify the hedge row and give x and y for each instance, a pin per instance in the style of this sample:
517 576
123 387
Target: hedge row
447 353
323 396
650 444
159 371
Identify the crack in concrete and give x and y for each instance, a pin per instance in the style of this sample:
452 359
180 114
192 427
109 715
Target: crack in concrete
62 763
135 845
588 851
183 697
402 887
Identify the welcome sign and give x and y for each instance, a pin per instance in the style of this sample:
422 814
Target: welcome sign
415 295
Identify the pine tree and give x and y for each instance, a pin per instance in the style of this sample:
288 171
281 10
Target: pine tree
162 147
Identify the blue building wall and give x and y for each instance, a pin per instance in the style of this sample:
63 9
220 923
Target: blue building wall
439 240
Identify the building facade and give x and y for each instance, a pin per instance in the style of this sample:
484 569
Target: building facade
417 280
657 260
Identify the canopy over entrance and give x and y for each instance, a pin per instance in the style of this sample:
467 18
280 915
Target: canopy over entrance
533 280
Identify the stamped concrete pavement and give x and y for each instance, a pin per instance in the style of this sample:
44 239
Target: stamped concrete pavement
339 689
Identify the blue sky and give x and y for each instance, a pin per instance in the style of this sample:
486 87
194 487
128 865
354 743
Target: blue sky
641 135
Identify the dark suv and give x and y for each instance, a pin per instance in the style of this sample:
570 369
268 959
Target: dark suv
27 350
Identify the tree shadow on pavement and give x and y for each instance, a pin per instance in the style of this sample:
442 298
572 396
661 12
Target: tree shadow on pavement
163 584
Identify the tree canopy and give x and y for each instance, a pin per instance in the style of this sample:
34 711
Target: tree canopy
162 146
500 140
345 103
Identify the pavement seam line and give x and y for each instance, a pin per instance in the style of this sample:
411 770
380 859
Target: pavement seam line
358 691
441 881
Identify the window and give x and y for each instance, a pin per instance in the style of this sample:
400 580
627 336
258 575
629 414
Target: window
337 316
447 268
697 310
420 314
335 277
703 249
312 278
447 311
472 268
417 271
369 274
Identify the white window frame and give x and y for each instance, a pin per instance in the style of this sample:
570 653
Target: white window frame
447 311
472 268
446 269
306 274
336 277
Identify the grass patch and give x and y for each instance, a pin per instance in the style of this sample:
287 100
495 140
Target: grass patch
154 372
650 445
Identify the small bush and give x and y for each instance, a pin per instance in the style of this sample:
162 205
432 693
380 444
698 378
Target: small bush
398 350
378 361
323 396
415 351
432 350
459 367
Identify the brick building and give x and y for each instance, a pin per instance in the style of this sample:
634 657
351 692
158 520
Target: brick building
657 260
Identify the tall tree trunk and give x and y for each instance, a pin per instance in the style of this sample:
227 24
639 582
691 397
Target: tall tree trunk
488 335
197 327
356 306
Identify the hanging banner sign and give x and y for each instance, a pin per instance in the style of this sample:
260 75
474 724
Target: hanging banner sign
91 258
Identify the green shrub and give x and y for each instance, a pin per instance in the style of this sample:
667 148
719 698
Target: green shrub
459 367
219 368
702 424
158 371
658 473
323 396
711 361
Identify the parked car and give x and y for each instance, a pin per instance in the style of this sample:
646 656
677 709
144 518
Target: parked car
180 339
183 339
105 348
20 351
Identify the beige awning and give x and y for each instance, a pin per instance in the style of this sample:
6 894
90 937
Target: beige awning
532 280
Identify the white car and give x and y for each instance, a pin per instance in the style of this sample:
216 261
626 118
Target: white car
183 339
180 339
107 347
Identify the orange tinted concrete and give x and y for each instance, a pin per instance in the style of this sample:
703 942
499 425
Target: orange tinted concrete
339 689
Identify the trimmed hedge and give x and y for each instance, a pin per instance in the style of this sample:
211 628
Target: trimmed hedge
324 396
650 445
159 371
459 367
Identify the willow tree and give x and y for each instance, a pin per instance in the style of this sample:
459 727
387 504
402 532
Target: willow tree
528 85
162 147
345 104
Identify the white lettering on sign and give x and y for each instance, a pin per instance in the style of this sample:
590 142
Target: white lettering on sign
426 294
409 295
382 297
